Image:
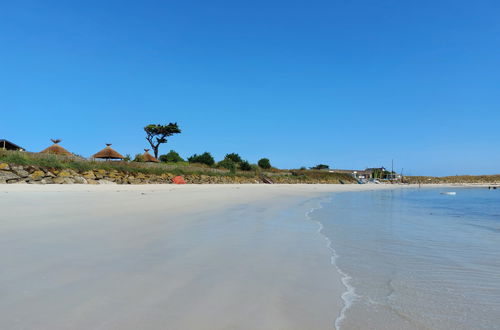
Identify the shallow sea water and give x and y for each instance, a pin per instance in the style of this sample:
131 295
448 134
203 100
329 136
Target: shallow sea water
415 258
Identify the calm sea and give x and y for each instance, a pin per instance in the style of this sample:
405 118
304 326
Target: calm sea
416 259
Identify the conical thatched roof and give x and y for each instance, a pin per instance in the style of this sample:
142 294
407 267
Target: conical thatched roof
148 157
56 149
108 153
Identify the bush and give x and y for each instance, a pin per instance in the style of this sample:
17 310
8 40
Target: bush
171 157
245 166
264 163
255 167
227 163
234 157
139 158
205 158
127 158
320 167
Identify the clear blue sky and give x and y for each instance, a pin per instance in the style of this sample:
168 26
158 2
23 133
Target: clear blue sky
352 84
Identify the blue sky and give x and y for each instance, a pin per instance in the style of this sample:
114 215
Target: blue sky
351 84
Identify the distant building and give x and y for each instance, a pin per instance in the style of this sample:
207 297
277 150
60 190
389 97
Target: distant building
374 169
369 173
7 145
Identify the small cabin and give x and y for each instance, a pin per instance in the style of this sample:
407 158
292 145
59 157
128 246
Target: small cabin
7 145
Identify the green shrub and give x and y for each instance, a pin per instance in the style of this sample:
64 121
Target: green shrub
171 157
264 163
234 157
227 163
245 166
139 158
205 158
127 158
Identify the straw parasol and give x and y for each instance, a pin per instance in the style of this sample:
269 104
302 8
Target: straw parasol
56 149
108 153
148 157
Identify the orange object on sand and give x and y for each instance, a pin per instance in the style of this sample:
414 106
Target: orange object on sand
178 180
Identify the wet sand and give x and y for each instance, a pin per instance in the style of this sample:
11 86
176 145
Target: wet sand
166 257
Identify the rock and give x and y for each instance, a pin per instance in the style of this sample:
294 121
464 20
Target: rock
7 176
88 175
58 180
99 174
4 166
37 175
72 172
63 180
64 174
21 172
140 176
114 174
105 182
80 179
31 169
50 174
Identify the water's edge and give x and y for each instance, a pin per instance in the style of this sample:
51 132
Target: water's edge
349 296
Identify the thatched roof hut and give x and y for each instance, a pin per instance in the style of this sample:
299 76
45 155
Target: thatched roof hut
7 145
148 157
108 153
56 149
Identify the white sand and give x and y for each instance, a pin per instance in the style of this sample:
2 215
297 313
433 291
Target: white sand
165 257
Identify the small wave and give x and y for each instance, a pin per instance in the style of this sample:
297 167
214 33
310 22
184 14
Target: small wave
349 296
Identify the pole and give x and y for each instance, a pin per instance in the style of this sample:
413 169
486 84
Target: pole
392 170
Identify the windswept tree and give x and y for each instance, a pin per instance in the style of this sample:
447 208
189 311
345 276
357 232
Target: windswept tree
234 157
157 134
264 163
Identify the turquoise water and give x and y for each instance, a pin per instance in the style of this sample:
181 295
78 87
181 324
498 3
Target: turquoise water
416 259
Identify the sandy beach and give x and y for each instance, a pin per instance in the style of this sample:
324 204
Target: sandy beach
166 257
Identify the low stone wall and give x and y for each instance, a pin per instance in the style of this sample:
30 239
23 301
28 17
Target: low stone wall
10 173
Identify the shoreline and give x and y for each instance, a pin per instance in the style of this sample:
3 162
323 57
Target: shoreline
344 278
